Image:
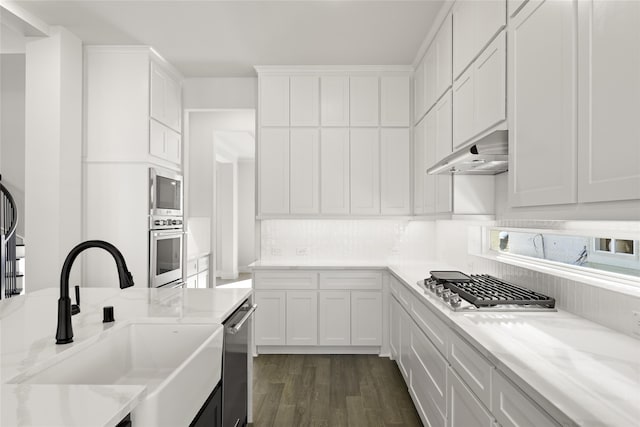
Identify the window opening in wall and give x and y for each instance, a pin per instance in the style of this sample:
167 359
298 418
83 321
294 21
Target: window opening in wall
609 254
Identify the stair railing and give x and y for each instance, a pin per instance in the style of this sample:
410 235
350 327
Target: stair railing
8 224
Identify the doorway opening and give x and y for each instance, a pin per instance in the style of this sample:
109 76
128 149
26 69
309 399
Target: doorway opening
219 171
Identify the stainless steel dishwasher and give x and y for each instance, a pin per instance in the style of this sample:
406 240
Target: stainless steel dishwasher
234 366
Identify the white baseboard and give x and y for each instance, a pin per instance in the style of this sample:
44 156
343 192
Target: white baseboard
316 350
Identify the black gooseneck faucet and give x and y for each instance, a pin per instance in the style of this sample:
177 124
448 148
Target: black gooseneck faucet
64 334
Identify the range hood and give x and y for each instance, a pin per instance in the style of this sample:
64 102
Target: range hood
486 156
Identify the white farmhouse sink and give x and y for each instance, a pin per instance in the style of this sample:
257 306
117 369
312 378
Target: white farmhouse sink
180 364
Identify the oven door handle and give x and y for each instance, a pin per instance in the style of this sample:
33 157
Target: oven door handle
164 233
234 329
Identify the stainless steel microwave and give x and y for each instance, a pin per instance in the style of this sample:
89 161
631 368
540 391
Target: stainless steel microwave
165 192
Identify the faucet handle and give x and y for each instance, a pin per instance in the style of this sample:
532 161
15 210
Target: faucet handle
75 308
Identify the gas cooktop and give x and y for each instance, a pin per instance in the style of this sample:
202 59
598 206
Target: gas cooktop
484 292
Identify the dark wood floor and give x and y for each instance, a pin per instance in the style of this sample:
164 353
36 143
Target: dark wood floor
330 391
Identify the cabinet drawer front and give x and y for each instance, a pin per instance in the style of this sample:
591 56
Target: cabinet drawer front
192 267
286 280
464 409
428 376
351 280
512 408
472 367
203 263
433 327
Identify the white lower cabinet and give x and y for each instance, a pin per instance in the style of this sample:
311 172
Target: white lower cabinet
270 318
366 318
512 408
341 308
464 408
428 379
394 328
302 318
405 344
334 317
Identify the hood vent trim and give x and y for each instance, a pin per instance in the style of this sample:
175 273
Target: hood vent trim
486 156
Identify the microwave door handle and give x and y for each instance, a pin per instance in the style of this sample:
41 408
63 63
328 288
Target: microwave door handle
151 193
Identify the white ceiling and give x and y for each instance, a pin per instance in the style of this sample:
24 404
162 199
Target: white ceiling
209 38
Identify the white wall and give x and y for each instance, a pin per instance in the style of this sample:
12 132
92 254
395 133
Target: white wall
53 137
12 151
227 92
246 214
227 221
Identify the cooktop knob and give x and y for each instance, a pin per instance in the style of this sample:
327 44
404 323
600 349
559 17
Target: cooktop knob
455 300
157 222
439 290
446 294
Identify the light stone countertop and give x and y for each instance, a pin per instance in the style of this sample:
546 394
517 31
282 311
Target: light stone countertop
27 342
578 371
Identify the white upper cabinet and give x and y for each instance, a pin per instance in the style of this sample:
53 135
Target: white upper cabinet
419 102
479 94
166 99
274 100
365 171
429 181
334 101
164 143
542 104
475 24
443 146
274 171
444 52
609 93
419 167
305 100
364 101
305 173
395 169
334 186
395 100
430 77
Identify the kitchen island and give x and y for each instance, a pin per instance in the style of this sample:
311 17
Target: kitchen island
27 328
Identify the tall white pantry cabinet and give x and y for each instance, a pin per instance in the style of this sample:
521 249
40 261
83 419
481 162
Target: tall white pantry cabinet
334 141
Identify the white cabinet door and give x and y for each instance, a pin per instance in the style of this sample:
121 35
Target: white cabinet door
274 100
302 318
164 143
542 104
514 6
464 108
405 344
609 132
334 175
512 408
203 279
418 91
165 106
444 52
365 171
192 282
429 181
475 24
394 328
419 167
395 171
430 76
364 101
305 100
463 408
305 176
443 146
334 101
334 318
173 146
270 318
366 318
490 84
395 96
274 171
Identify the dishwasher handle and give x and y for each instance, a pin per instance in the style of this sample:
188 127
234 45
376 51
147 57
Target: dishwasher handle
234 329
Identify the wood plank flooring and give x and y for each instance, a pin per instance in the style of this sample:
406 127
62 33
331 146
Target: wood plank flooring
330 391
